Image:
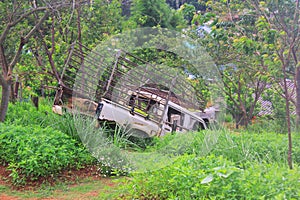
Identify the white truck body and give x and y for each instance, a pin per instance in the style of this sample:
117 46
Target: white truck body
145 127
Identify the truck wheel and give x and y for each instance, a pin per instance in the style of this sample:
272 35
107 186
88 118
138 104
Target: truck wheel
140 138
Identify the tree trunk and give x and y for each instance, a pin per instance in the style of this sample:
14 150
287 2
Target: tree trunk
288 119
245 120
297 98
241 119
6 87
237 122
12 93
6 82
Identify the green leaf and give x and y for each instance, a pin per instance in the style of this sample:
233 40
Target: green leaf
207 179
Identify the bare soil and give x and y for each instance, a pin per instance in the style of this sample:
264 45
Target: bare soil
72 178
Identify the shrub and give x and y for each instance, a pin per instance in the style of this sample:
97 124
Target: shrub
24 114
101 142
264 147
32 151
239 148
192 177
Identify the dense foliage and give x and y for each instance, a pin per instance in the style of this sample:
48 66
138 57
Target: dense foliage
40 143
219 165
155 13
31 152
25 114
215 178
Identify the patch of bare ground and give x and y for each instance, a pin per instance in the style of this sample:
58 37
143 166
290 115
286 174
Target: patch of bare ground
72 178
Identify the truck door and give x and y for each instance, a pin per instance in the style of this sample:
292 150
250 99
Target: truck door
173 120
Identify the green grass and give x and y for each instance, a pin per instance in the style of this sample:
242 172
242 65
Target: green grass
211 177
219 165
24 114
85 189
239 147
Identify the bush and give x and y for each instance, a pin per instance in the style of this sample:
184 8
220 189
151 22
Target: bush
239 148
267 147
192 177
24 114
78 127
33 152
267 124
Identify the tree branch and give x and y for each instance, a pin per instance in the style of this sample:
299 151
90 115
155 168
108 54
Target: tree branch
31 11
52 36
25 39
50 53
2 80
23 16
4 33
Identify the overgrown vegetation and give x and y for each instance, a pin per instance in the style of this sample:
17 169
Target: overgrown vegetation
31 152
255 46
210 164
25 114
214 177
240 148
219 165
37 143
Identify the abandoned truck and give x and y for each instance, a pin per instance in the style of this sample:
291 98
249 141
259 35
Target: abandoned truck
128 91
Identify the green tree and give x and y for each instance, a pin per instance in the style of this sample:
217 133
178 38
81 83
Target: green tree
155 13
176 4
272 36
236 49
21 22
46 52
101 20
281 18
188 11
16 31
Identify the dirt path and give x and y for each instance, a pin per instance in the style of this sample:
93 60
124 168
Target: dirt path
81 191
6 197
84 184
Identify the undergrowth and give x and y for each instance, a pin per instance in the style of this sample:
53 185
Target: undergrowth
212 177
219 165
32 152
211 164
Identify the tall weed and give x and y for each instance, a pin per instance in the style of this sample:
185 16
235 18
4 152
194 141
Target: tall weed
211 177
25 114
241 148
